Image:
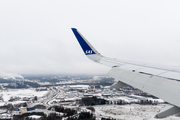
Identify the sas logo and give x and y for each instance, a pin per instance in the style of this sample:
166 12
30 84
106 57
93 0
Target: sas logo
89 51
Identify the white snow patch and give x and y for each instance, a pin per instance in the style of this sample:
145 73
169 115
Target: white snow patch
17 102
2 103
123 98
22 93
35 116
131 112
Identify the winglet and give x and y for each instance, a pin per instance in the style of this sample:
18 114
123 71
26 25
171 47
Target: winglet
85 45
88 49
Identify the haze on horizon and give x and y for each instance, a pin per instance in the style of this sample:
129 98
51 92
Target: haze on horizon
36 36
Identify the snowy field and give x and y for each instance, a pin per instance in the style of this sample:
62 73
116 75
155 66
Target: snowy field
131 112
21 93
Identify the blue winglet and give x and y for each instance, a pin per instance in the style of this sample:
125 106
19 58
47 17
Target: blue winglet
87 48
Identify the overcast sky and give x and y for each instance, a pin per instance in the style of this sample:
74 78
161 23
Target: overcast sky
36 36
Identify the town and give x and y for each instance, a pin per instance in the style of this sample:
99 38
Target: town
72 97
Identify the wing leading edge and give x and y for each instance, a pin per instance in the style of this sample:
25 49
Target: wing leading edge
160 81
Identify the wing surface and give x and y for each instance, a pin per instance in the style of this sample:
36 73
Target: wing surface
160 81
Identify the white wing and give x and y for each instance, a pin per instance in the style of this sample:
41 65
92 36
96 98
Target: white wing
160 81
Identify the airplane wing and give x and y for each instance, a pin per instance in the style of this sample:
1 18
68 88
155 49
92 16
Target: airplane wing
160 81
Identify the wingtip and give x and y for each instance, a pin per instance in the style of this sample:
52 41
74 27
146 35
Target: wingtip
73 28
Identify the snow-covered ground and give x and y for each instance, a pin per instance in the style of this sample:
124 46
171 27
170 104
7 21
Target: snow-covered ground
22 93
131 112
